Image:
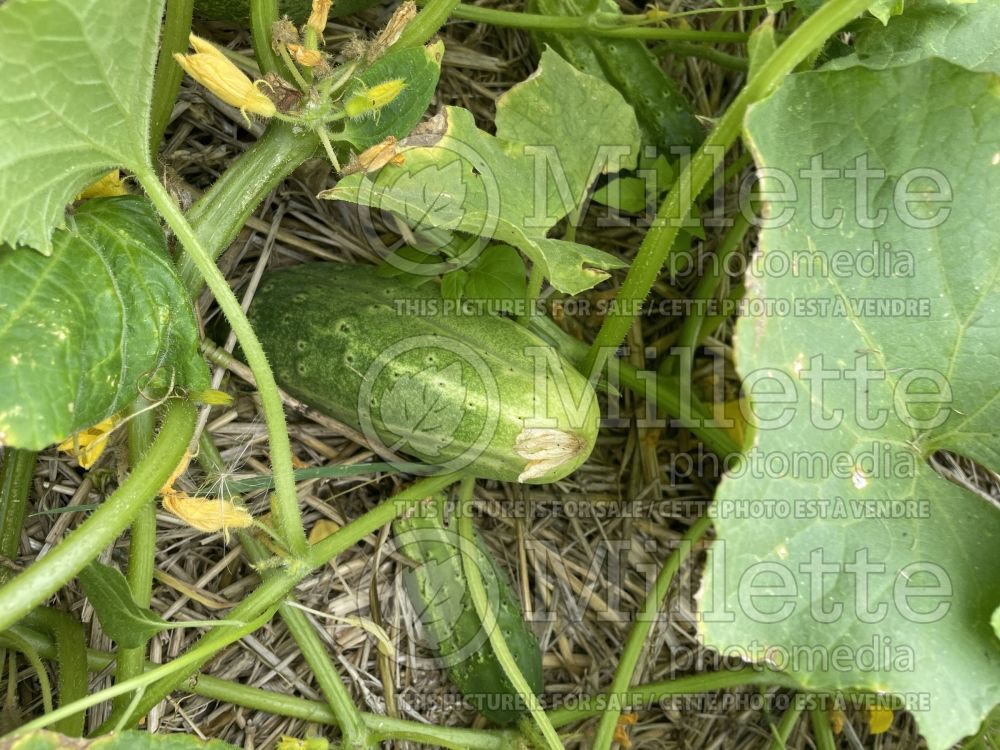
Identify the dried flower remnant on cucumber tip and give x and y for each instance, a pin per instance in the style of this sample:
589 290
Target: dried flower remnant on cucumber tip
219 74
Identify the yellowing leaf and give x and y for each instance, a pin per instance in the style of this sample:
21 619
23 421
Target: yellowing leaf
322 529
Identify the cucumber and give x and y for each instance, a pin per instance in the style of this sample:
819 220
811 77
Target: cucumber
664 113
238 11
437 588
458 391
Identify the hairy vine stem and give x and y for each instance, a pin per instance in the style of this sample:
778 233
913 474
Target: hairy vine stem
676 207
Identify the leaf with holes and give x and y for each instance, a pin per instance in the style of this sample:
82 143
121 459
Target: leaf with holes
84 329
842 554
76 78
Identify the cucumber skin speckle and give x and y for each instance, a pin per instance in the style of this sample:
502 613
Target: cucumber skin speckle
328 330
436 586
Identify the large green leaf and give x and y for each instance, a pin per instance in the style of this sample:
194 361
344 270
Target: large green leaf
562 109
962 33
75 84
45 740
82 330
555 133
765 595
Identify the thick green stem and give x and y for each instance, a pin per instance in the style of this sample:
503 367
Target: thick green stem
784 729
695 325
703 52
614 26
16 470
263 14
141 552
676 207
640 630
280 704
665 392
221 212
641 696
70 652
477 593
427 23
198 654
174 38
287 517
81 546
273 589
348 716
819 717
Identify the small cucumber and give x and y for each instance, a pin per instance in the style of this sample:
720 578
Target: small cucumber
437 588
664 114
464 392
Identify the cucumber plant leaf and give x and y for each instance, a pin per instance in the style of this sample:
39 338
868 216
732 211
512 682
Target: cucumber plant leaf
76 80
459 178
894 583
84 329
43 739
419 67
560 109
962 33
124 621
497 278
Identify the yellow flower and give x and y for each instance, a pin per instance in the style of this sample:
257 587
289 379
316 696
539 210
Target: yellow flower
218 74
107 187
207 513
87 445
879 719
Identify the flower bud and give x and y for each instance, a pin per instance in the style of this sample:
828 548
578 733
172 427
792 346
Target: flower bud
213 70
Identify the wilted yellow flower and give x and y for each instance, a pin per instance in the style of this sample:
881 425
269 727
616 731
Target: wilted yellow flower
371 100
108 186
621 729
374 158
87 445
317 18
218 74
208 514
307 58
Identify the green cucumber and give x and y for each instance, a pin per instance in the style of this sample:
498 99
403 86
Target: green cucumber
463 392
437 588
664 113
